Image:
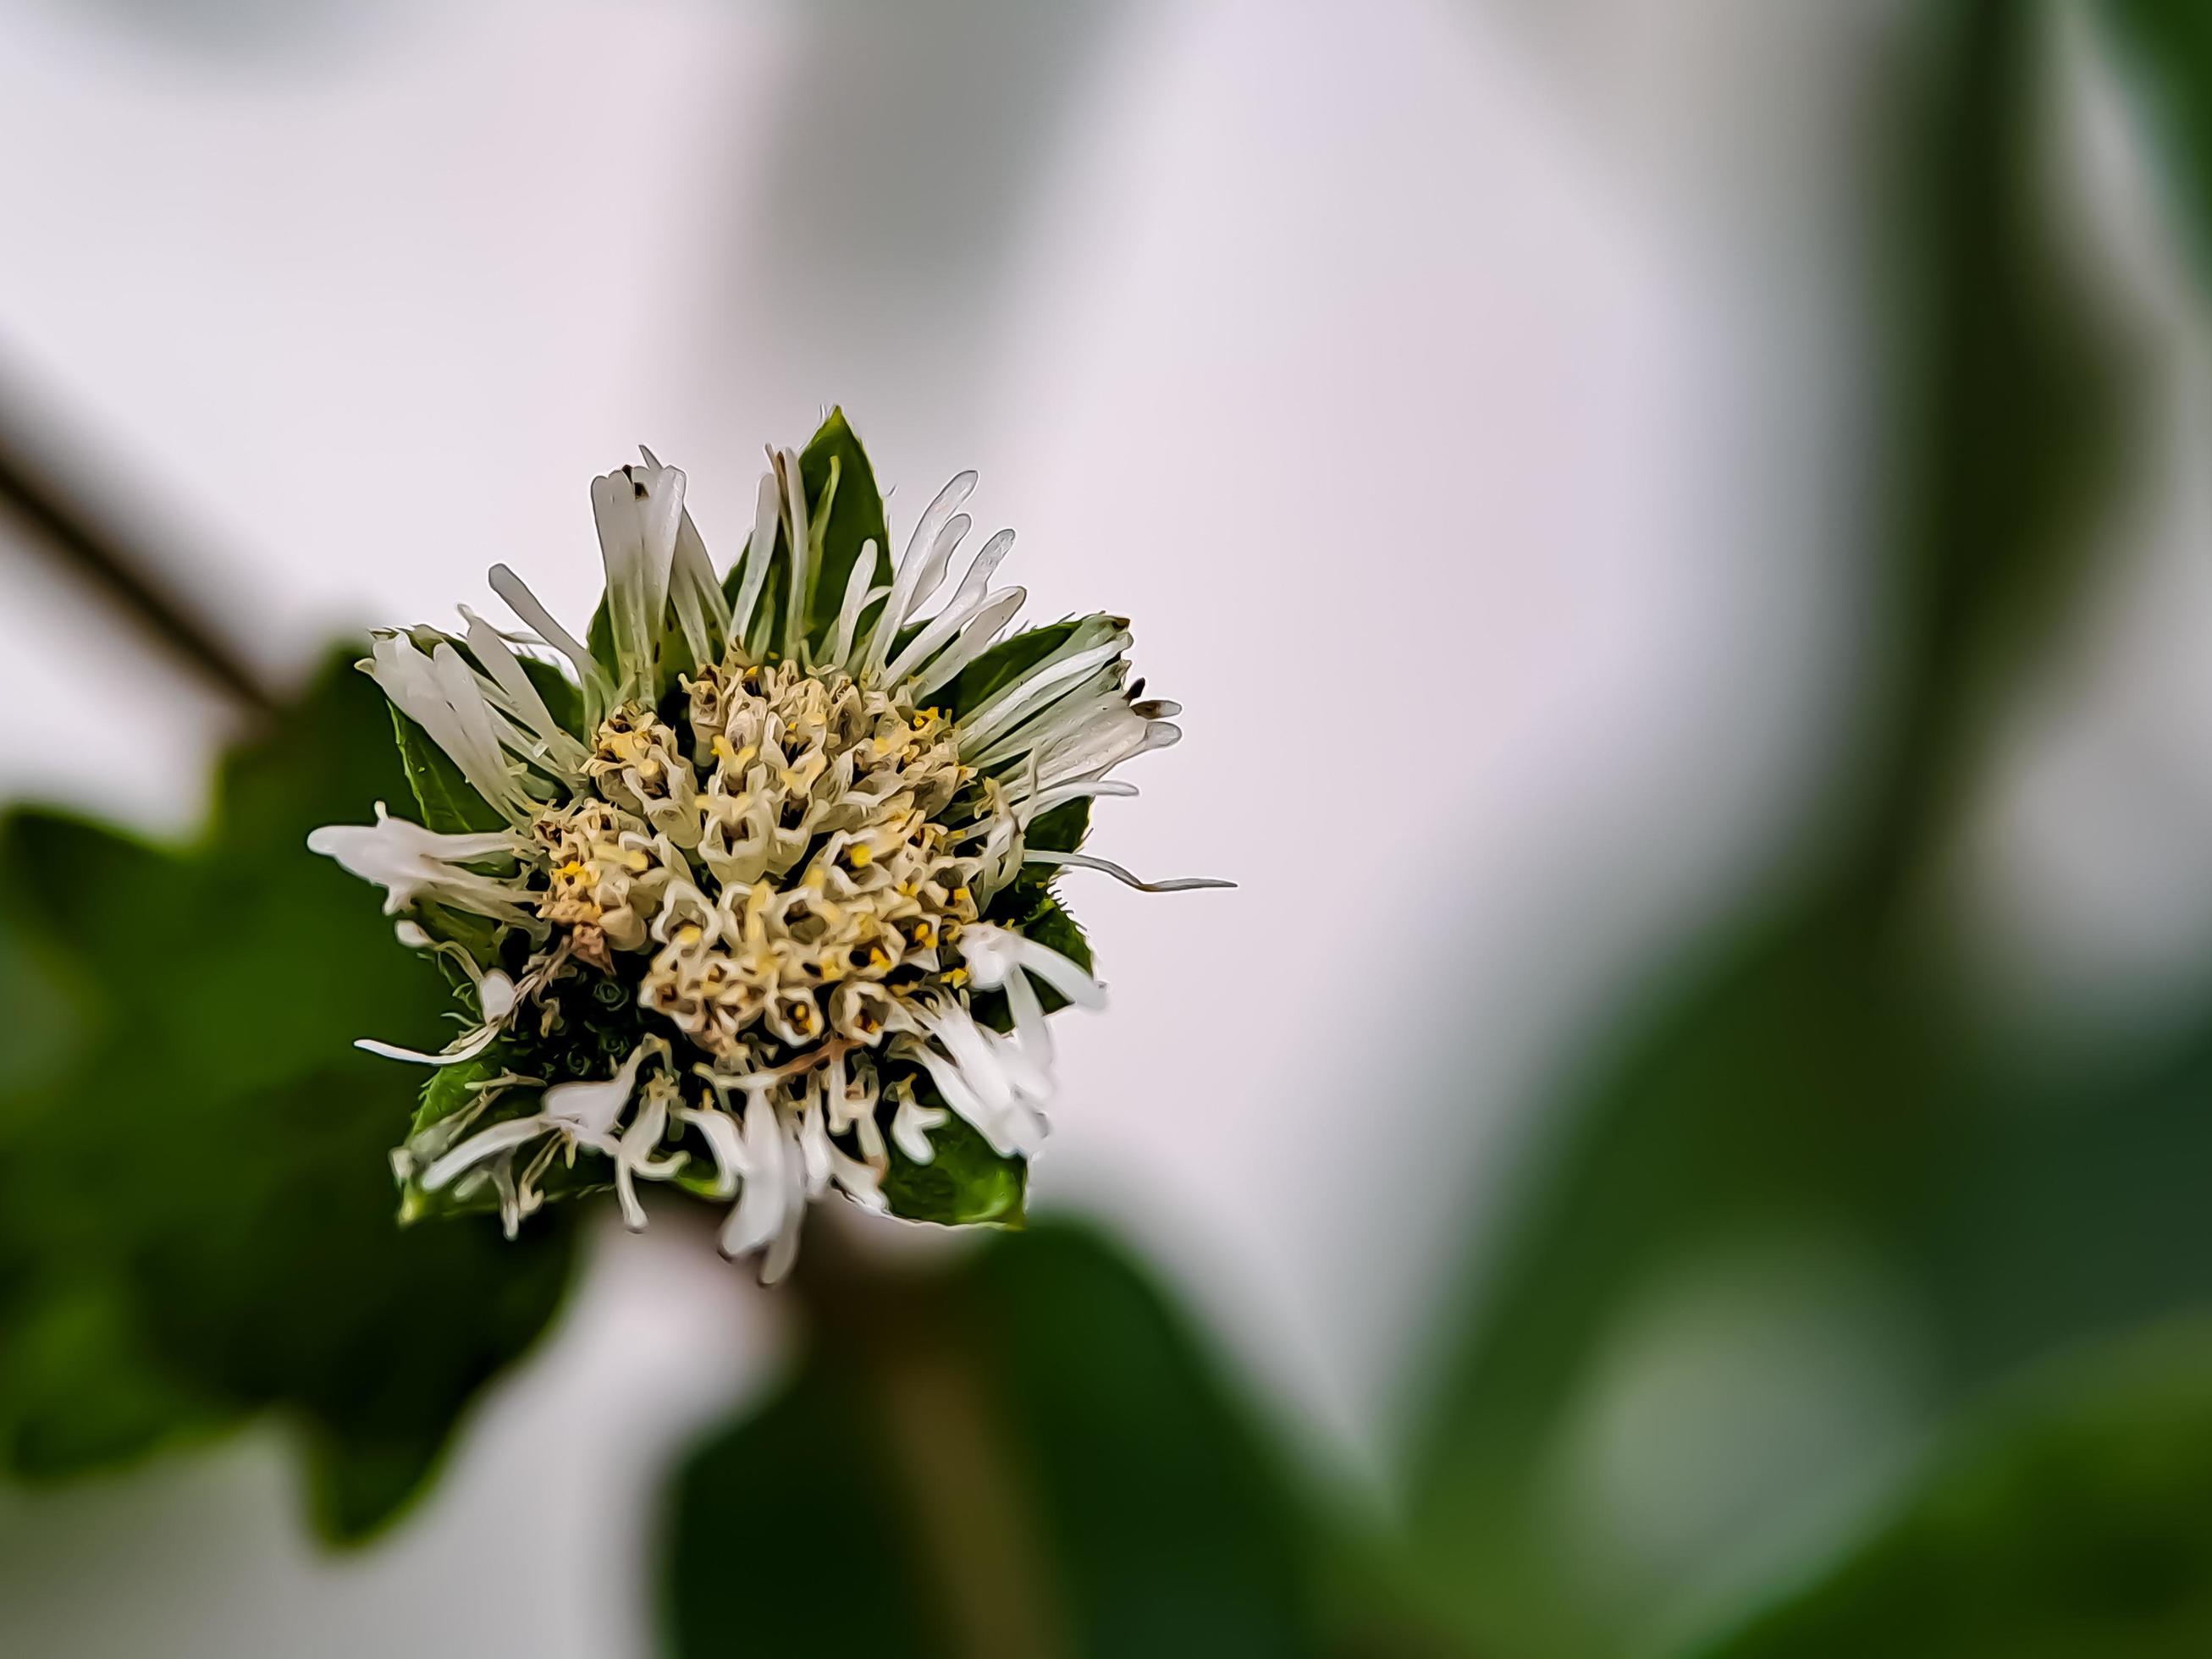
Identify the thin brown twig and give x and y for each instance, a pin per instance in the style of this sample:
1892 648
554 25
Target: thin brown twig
57 527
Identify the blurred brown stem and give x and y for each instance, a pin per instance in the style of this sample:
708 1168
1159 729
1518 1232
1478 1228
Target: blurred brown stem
56 525
907 1349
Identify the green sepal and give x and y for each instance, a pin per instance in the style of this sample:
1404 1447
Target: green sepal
964 1184
1054 929
564 698
1029 905
450 1090
449 802
1032 888
846 512
834 469
1062 829
672 656
599 640
477 935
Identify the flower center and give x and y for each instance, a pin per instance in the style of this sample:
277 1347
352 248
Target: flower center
792 851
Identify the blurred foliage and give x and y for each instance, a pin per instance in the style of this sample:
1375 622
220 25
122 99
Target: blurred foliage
1023 1453
196 1214
1022 1450
2167 47
2071 1522
1818 1075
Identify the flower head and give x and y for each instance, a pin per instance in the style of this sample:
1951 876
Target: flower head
754 896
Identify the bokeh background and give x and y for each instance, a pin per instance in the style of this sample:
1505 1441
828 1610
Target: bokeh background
1682 527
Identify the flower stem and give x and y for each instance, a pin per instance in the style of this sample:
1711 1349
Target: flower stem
902 1334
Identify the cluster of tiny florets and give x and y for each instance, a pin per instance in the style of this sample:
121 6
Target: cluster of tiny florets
781 855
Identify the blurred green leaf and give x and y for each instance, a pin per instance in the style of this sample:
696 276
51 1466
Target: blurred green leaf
1023 1454
196 1214
1816 1070
2166 48
2073 1521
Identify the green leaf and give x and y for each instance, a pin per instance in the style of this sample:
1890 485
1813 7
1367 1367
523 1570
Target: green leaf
196 1217
2067 1521
1811 1072
1025 1453
964 1184
449 803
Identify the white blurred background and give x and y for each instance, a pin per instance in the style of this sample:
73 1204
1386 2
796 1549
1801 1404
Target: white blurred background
1467 399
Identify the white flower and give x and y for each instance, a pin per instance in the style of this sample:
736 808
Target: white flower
756 917
411 863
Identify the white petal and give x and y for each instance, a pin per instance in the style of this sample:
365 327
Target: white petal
408 861
496 996
910 1127
1084 861
592 1107
467 1049
799 597
720 1131
995 956
910 571
1049 679
637 516
1060 794
500 1136
555 745
978 634
598 693
759 550
857 592
759 1215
